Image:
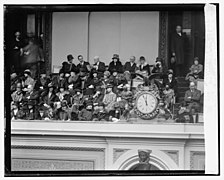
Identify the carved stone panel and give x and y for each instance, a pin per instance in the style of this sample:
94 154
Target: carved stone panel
117 153
197 160
52 165
173 155
43 158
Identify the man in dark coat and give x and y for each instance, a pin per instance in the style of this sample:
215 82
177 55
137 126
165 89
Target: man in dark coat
131 66
99 66
32 54
143 66
177 50
83 65
115 65
191 102
16 51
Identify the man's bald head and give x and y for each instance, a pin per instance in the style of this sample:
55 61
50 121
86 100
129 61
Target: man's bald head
96 59
178 29
132 59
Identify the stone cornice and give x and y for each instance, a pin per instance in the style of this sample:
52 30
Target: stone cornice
93 129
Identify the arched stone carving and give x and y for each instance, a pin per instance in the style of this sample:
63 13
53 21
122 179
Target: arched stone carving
158 159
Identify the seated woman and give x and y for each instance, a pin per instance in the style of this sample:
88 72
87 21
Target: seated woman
171 81
158 68
142 66
115 65
63 112
196 71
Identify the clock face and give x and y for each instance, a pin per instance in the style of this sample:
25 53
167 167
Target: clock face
146 103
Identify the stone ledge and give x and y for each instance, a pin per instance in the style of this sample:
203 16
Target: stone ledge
108 129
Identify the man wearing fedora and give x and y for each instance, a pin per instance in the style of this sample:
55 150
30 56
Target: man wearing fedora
115 64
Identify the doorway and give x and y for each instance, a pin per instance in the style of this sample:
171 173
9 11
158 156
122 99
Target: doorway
193 27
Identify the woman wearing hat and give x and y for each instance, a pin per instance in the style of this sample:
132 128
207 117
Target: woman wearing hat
63 94
196 71
60 80
69 66
49 96
171 81
28 79
63 113
32 113
142 66
17 95
115 65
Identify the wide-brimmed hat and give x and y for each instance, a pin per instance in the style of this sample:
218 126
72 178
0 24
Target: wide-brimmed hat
101 104
50 85
145 150
70 57
109 86
89 103
31 103
158 59
27 71
115 56
64 103
107 73
142 58
78 90
94 71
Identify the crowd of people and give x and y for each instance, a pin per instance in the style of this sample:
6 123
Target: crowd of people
88 92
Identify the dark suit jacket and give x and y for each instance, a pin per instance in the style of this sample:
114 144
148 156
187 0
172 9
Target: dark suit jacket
101 67
118 67
84 66
67 67
128 67
33 97
48 100
145 68
172 84
195 96
177 46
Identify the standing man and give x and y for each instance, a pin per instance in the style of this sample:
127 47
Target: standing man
177 50
32 55
16 51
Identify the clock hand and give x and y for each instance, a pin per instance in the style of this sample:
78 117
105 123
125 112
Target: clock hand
146 101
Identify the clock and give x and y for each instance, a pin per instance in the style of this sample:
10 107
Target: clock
146 104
